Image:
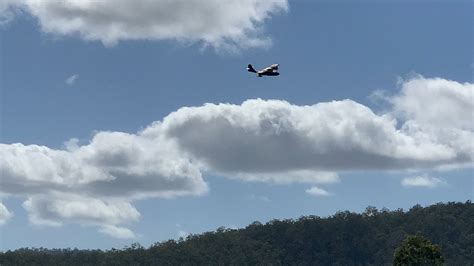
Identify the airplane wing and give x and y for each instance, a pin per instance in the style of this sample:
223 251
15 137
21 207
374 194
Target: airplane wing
270 69
266 70
274 66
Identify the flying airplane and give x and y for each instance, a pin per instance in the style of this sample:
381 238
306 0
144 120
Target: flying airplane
268 71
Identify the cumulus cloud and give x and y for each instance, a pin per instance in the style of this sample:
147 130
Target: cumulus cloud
317 192
422 181
258 140
72 79
439 110
436 102
5 214
95 183
113 164
219 23
273 137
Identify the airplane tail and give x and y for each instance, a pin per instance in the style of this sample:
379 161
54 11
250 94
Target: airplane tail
251 69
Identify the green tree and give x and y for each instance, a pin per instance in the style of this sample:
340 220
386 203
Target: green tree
346 238
417 250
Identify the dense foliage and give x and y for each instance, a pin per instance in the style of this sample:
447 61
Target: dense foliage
417 250
345 238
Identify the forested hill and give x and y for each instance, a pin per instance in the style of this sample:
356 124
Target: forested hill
346 238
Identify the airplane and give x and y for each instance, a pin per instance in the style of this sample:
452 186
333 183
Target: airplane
268 71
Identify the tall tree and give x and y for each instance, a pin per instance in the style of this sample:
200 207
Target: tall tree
417 250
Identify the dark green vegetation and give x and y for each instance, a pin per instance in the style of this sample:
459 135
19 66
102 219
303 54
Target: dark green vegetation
417 250
345 238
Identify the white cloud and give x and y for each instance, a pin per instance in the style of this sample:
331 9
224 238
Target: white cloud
438 110
117 232
54 209
5 214
72 79
264 138
113 164
95 183
317 192
8 9
222 24
423 181
436 102
71 144
286 177
258 140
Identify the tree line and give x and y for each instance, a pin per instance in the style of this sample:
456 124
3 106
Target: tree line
433 235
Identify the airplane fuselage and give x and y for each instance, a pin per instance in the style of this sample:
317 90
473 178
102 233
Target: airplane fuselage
268 71
268 74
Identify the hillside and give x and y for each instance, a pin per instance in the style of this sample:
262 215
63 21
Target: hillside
346 238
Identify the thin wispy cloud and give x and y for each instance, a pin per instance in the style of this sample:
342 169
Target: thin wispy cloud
306 176
7 11
72 79
318 192
260 197
423 181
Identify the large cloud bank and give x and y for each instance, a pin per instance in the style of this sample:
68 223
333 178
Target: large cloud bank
219 23
94 184
259 140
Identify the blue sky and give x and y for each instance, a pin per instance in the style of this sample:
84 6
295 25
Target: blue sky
413 54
